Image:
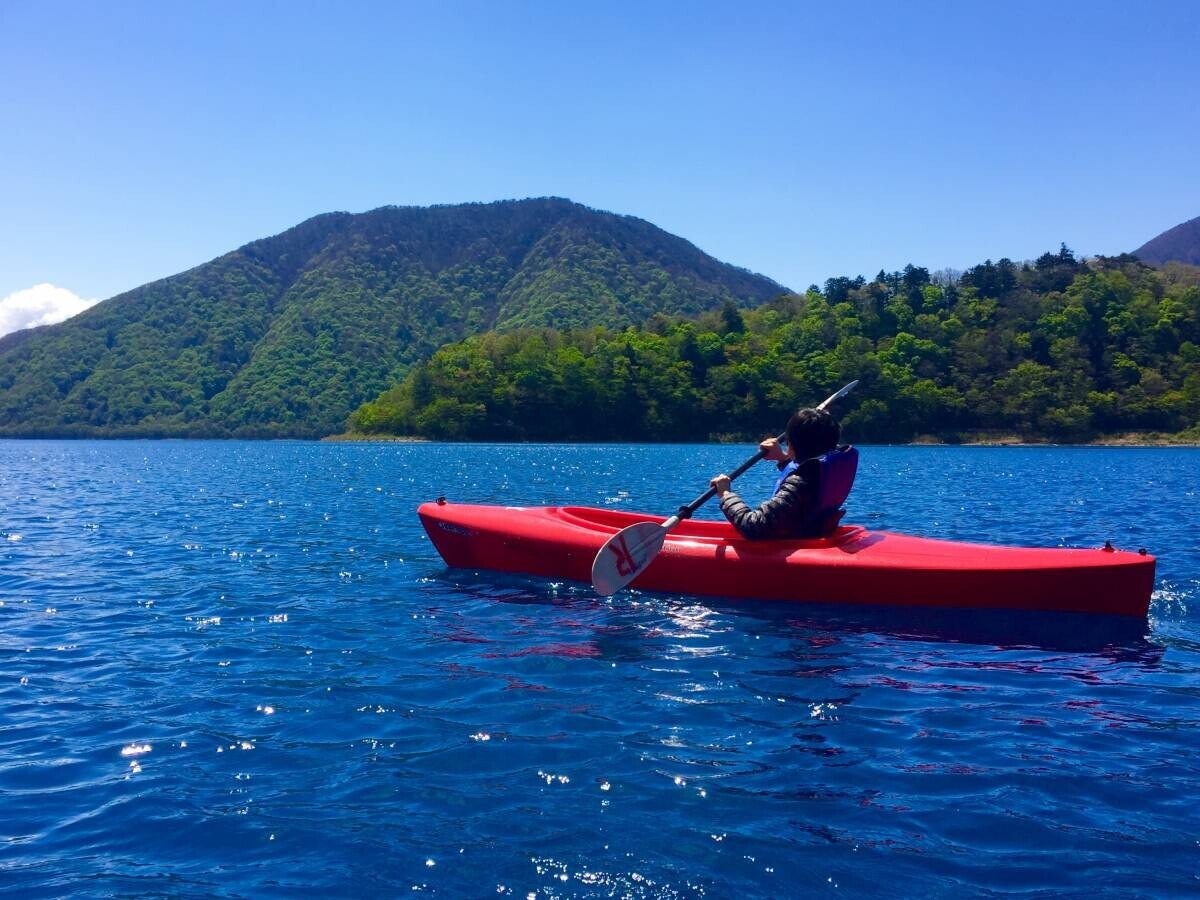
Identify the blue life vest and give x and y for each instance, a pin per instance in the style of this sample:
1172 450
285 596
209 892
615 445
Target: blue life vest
834 474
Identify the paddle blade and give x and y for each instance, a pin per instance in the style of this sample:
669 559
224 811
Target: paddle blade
625 555
839 395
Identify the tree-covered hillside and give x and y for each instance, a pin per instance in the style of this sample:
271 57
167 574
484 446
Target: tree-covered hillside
287 335
1057 349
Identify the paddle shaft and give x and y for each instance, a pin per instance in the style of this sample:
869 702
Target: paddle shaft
630 550
686 512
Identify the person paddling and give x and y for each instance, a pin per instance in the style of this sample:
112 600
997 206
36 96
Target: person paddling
815 478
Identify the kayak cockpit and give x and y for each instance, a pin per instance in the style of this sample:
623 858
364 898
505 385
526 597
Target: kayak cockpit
610 521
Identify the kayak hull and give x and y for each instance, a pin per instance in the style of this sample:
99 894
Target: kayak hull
852 566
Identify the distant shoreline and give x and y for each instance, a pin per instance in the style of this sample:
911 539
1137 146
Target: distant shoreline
1130 439
353 437
1149 439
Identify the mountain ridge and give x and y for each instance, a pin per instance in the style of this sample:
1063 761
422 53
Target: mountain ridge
286 334
1180 243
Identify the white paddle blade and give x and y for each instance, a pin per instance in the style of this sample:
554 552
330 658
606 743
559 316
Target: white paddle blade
625 555
839 395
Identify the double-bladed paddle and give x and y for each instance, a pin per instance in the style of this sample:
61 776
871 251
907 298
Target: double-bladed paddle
630 550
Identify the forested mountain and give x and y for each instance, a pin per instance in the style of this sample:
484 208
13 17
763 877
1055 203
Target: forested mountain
1180 244
1058 348
287 335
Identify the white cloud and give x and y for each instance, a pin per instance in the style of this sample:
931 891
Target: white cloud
42 304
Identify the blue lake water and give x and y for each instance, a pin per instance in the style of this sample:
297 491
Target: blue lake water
241 669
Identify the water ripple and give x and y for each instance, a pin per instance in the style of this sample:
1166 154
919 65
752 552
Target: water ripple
240 668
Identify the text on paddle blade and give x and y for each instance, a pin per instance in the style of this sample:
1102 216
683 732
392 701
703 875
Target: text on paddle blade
626 565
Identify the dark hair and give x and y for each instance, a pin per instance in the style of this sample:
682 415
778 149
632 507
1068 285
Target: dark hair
811 432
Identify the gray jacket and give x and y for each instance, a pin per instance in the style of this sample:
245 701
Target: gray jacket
788 514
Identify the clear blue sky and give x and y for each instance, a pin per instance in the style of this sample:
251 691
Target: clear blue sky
796 140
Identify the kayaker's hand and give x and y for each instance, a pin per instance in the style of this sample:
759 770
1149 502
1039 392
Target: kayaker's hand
721 484
770 447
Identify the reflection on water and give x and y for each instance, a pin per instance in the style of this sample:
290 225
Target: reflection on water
1118 637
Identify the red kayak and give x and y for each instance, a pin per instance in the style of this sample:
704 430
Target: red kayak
852 565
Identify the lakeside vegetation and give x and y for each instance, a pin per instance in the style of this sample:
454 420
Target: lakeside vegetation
1058 349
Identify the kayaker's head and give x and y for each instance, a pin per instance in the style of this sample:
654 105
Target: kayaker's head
811 432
